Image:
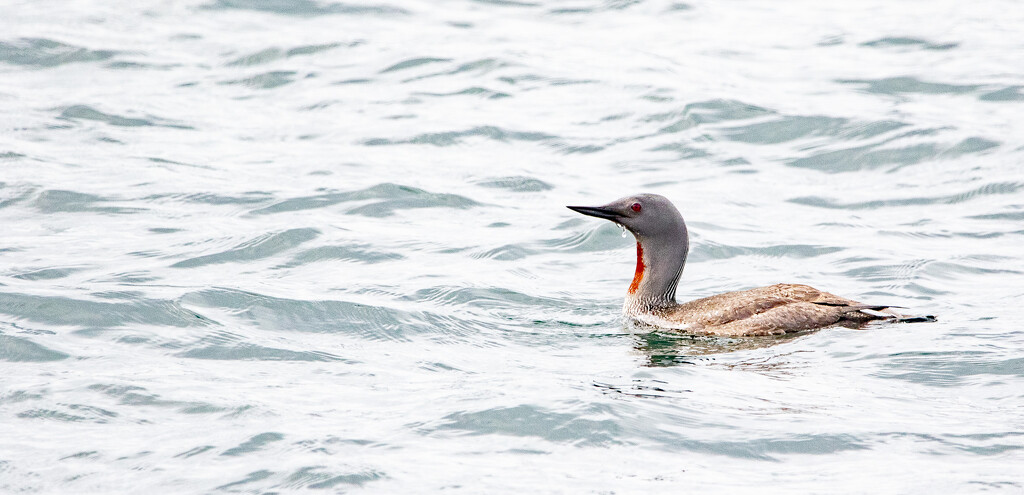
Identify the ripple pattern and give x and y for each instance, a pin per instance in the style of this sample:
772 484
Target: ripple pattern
269 246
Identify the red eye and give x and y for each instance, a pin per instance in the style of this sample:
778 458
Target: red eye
636 207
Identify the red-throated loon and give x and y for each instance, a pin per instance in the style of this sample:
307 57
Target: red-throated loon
661 247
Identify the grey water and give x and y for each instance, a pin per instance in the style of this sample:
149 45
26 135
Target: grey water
276 246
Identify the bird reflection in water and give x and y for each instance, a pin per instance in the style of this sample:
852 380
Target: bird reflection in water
665 349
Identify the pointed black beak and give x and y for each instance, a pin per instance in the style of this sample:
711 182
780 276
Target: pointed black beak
595 211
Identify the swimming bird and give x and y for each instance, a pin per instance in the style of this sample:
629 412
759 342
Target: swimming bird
662 244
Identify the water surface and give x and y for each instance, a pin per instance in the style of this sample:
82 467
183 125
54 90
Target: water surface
257 246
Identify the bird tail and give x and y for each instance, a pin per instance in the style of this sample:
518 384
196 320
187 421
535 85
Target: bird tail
883 312
886 313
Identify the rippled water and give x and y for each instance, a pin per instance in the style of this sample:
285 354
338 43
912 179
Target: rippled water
273 245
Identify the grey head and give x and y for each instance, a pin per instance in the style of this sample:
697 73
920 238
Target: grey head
662 245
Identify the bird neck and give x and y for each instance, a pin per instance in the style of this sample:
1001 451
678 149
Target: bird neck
659 265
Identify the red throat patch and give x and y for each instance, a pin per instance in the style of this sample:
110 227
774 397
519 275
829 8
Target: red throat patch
639 275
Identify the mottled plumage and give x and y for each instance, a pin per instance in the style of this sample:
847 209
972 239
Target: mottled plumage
662 247
773 310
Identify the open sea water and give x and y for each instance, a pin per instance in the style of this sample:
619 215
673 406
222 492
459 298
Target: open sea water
274 246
